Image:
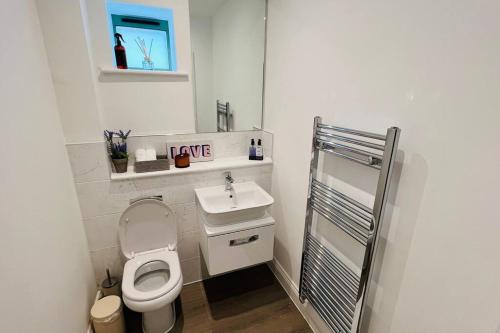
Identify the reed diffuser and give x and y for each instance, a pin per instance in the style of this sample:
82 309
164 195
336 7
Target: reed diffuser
147 63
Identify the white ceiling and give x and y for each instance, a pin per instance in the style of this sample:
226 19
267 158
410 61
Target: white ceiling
204 8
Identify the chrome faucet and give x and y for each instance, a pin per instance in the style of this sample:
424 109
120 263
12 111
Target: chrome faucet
229 181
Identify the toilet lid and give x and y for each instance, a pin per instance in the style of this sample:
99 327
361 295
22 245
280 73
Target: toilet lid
147 225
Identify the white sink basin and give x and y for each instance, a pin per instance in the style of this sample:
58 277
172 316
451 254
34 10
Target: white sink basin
247 201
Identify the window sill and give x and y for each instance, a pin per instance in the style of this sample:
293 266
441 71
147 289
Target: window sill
115 74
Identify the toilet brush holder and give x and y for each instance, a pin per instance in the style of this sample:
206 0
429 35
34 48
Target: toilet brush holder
110 285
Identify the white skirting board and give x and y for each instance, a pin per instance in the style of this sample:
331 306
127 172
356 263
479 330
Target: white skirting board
309 314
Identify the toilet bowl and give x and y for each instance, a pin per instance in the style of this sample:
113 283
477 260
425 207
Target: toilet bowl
152 277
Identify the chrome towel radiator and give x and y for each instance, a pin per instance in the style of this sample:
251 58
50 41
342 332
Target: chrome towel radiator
224 117
337 292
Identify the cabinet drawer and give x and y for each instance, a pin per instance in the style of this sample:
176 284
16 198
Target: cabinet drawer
240 249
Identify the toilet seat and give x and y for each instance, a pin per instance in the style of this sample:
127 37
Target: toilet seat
171 258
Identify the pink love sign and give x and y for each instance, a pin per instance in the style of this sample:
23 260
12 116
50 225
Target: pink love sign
198 151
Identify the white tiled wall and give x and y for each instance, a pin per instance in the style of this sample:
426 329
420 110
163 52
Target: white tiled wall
102 201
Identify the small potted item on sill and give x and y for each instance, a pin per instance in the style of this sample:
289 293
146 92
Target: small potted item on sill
117 149
181 160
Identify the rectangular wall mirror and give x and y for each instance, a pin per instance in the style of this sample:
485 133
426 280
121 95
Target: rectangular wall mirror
228 50
188 66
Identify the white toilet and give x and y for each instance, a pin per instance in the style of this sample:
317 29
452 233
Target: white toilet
152 277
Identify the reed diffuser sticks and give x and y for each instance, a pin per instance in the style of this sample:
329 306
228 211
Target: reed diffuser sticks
144 50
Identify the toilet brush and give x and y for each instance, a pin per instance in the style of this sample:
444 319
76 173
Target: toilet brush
110 285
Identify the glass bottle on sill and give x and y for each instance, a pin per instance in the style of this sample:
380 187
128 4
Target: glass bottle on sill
147 64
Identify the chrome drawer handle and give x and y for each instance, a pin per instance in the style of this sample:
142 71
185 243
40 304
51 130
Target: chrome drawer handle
241 241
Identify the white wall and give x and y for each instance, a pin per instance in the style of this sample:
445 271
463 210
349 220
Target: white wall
203 80
71 67
145 107
238 57
431 68
47 281
78 44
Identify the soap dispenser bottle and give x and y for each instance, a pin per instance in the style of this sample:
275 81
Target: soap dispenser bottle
259 151
252 151
120 55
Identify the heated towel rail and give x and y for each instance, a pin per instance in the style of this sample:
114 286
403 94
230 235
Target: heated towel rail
224 117
337 292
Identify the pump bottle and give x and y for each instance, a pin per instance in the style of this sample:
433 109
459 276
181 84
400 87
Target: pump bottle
120 55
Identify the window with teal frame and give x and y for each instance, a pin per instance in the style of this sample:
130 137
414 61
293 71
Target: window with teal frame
147 42
148 33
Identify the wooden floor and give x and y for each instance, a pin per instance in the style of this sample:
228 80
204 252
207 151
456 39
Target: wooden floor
249 300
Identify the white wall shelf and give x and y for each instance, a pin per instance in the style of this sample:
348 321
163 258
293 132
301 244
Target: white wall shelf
217 164
108 72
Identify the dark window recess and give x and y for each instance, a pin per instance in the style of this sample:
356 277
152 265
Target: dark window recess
139 21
